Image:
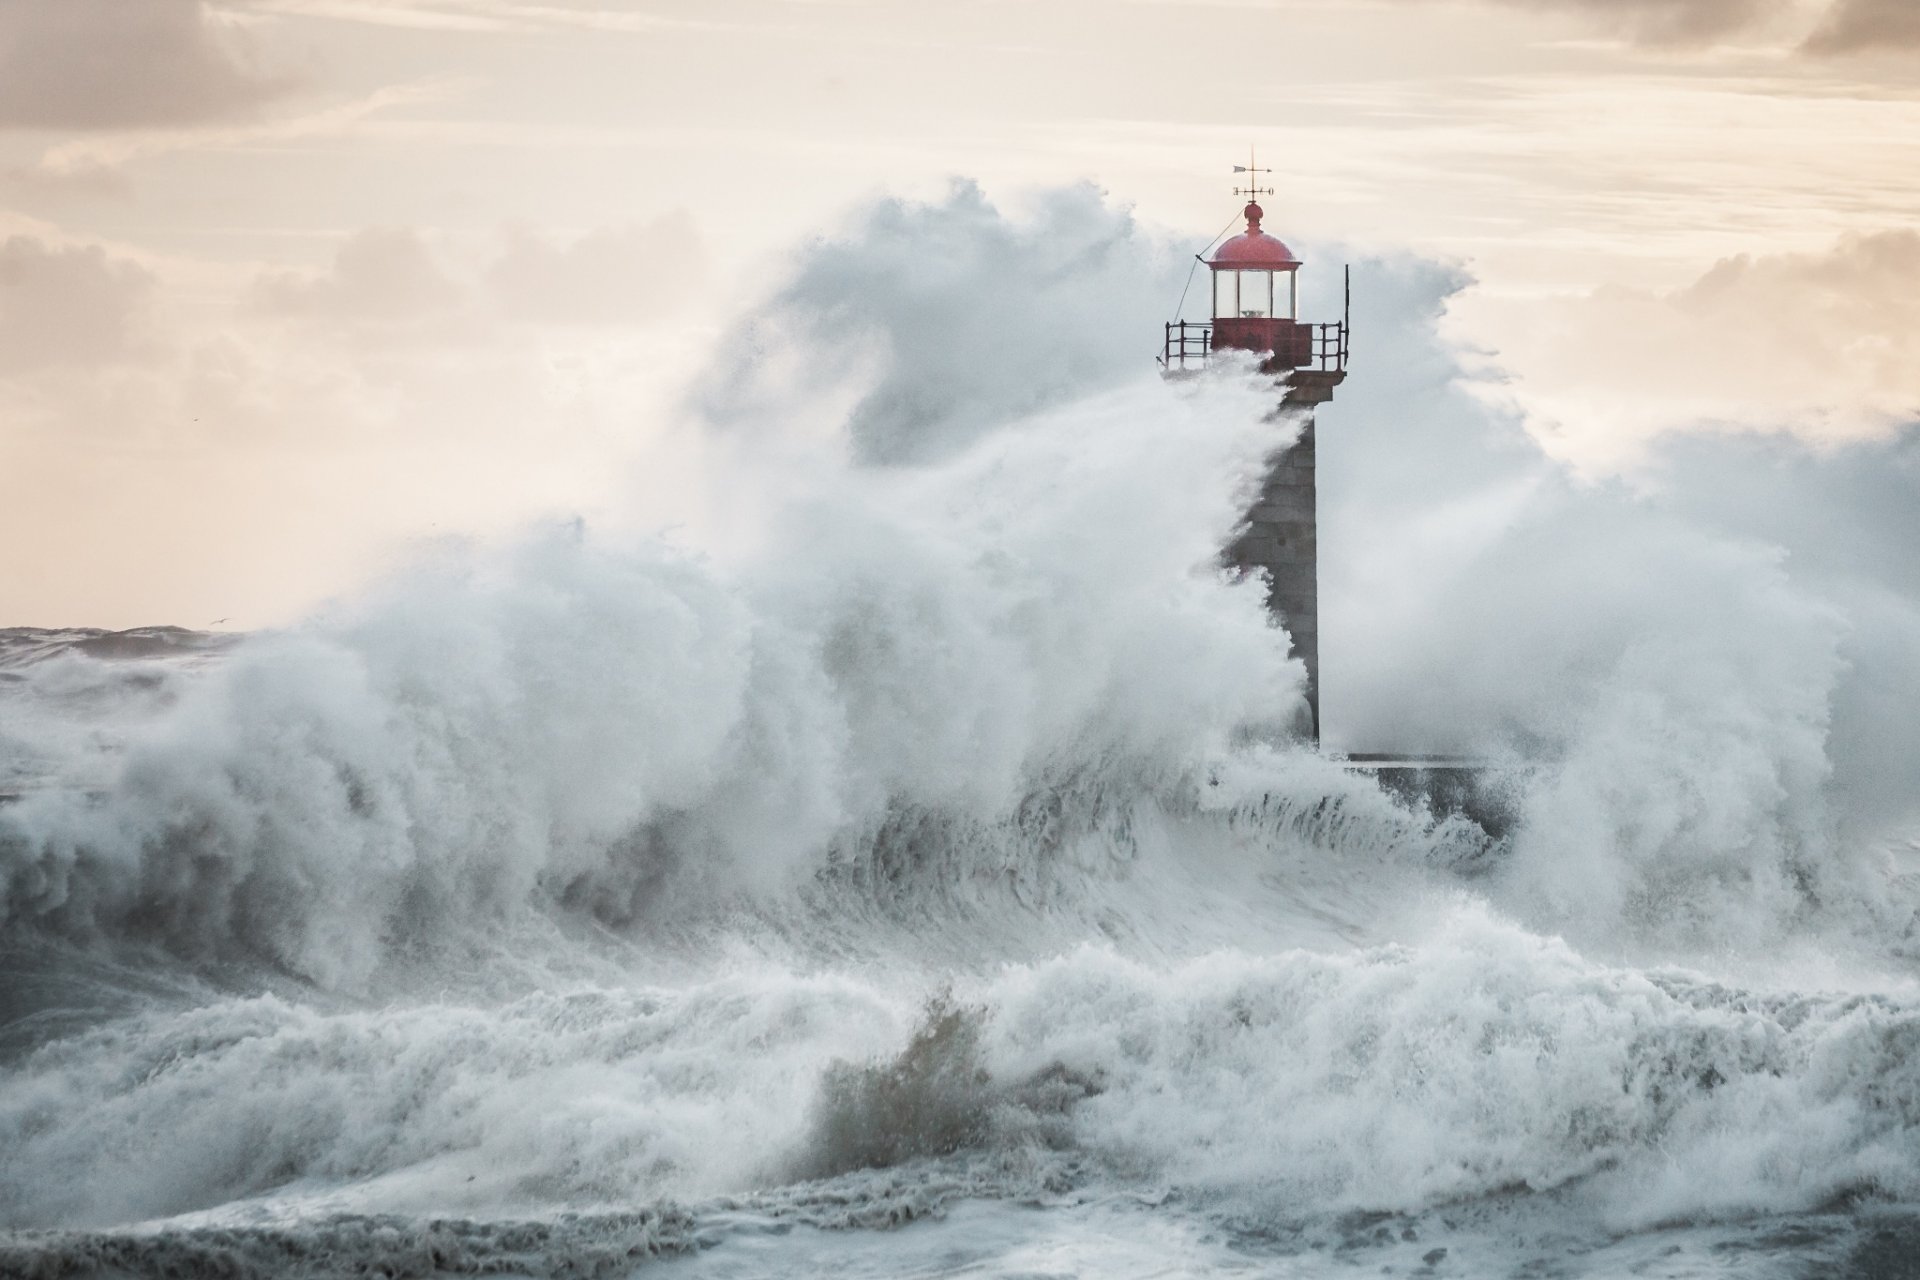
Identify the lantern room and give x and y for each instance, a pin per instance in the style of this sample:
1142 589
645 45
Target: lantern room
1256 295
1255 298
1255 276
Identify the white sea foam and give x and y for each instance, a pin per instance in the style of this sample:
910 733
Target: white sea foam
1286 1087
937 837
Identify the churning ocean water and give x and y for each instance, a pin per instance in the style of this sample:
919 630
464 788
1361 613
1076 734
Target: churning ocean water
930 888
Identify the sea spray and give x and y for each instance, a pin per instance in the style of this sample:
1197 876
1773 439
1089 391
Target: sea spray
929 852
596 726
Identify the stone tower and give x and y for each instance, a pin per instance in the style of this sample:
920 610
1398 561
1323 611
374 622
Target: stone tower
1282 535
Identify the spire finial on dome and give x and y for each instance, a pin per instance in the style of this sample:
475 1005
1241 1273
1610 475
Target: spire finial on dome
1252 191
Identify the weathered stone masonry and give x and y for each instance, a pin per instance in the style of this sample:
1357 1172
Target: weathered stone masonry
1281 537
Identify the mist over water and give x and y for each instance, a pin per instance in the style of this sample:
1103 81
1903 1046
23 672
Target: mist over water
919 878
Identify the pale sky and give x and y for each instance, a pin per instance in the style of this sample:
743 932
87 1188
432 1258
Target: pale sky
285 284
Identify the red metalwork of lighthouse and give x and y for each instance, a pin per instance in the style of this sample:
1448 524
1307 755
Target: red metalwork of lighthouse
1256 294
1256 305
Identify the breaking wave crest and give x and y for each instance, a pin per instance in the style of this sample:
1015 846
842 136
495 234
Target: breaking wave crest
1287 1088
616 729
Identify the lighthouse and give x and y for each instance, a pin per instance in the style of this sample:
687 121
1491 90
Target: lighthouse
1255 281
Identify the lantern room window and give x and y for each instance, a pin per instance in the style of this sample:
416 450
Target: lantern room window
1254 294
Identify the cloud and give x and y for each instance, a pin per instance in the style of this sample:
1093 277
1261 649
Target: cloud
110 64
1850 314
382 275
333 413
45 183
1674 22
615 275
1826 344
500 16
1844 26
423 15
387 284
68 306
1854 26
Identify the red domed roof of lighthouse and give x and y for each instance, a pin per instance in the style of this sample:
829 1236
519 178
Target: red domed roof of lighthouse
1253 249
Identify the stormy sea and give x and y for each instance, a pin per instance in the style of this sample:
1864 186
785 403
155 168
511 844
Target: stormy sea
926 879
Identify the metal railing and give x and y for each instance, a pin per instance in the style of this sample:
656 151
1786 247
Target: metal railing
1324 351
1186 340
1329 347
1190 342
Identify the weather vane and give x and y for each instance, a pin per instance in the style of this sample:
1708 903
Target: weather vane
1253 190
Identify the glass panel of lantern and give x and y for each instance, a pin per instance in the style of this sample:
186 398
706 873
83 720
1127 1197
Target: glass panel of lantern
1286 302
1256 293
1226 300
